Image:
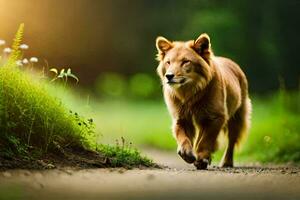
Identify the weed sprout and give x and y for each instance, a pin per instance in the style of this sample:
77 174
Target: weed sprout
63 74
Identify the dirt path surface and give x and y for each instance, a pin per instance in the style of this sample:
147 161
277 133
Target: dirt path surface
179 181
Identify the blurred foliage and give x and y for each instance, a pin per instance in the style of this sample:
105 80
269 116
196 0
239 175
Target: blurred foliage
119 37
275 128
111 84
137 86
142 85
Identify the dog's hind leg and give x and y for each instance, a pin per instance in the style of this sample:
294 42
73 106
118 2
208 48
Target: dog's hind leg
238 126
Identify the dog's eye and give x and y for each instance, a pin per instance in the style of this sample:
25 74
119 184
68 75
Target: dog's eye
168 62
184 62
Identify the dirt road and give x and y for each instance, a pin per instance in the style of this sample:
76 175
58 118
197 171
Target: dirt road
180 181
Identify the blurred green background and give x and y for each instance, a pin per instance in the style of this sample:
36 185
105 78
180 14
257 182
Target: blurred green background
110 46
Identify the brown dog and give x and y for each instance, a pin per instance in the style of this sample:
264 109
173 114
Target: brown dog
205 94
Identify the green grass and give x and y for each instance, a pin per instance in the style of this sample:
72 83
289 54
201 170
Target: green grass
124 156
30 117
34 122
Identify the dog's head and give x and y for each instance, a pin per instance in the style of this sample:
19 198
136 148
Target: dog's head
184 65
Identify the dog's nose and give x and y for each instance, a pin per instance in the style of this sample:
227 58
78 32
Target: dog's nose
169 76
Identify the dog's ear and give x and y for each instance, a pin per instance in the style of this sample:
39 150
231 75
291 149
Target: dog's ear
162 45
202 46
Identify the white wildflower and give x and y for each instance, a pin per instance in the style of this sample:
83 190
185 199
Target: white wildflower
25 61
7 50
34 59
19 63
2 42
24 46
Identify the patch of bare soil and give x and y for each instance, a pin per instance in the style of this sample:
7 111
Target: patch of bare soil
77 158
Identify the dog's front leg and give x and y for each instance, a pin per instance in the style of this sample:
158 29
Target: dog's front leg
184 132
207 143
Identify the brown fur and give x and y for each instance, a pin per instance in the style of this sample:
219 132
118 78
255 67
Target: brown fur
207 94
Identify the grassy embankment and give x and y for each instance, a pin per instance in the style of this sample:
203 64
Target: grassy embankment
36 126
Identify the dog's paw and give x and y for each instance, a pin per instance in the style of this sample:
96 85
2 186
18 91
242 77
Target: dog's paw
186 153
203 160
202 163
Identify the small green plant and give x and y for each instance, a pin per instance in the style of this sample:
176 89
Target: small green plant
16 52
15 146
124 155
87 129
63 74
